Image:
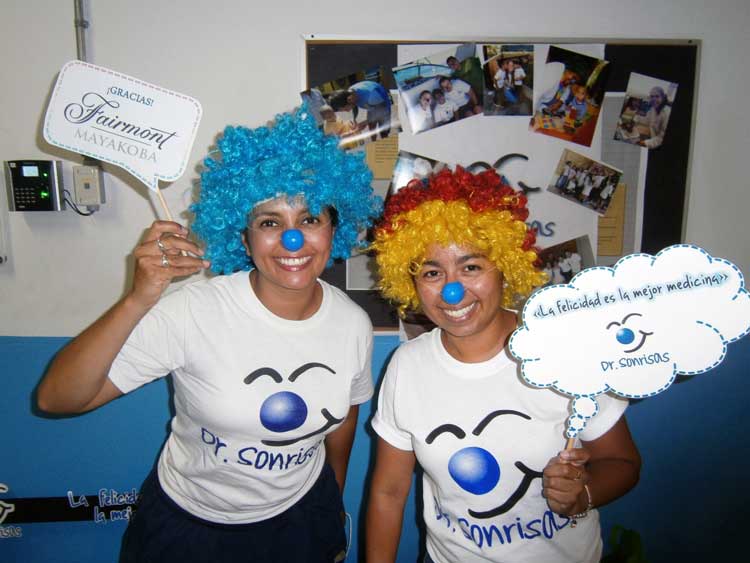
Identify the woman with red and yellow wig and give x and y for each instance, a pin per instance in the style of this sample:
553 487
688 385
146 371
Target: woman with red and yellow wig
458 250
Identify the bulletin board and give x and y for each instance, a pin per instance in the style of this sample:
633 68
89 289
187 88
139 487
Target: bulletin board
663 173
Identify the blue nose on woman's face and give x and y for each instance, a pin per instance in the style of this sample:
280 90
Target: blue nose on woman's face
452 293
292 239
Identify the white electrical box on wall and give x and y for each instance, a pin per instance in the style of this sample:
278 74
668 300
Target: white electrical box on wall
88 185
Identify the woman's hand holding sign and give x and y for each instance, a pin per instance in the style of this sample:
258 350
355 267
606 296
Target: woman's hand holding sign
164 254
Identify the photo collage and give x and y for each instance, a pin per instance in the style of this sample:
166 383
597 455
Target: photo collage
558 90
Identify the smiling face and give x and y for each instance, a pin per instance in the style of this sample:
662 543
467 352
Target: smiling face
480 307
478 471
281 268
285 411
628 332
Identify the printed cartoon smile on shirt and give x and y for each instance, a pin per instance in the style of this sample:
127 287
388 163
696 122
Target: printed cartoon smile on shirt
284 411
626 336
477 471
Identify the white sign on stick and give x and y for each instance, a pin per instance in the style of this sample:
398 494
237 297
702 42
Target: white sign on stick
143 128
631 329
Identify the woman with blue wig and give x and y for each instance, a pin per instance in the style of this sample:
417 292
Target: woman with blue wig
268 367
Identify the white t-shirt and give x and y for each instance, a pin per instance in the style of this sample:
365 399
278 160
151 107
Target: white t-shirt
565 265
421 118
588 185
458 417
518 75
254 394
500 77
557 274
459 93
444 112
575 262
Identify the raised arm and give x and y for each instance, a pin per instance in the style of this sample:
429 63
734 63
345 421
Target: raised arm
610 466
76 381
389 489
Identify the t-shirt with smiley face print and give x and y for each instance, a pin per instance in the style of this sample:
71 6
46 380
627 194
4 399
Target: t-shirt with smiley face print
254 394
483 438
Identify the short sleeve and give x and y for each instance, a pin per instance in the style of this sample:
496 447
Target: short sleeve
154 348
611 410
362 388
385 421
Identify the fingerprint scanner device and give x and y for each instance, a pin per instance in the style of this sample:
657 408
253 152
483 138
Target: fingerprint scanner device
34 185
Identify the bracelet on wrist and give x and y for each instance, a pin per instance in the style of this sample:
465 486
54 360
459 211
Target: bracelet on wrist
589 505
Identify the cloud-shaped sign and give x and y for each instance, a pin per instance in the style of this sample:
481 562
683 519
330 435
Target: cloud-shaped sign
631 329
140 127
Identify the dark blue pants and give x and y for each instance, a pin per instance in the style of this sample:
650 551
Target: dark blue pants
310 531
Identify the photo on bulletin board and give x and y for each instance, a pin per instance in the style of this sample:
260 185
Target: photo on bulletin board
356 108
585 181
508 79
563 261
410 167
442 88
572 94
645 112
361 272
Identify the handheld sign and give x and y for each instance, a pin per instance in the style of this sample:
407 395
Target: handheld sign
145 129
631 329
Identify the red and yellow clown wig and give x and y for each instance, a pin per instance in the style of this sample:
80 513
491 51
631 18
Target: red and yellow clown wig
473 210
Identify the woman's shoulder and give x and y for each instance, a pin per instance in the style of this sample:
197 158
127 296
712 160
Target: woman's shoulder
341 305
419 348
214 284
205 293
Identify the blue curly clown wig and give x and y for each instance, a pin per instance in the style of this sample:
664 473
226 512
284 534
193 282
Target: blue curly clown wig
290 158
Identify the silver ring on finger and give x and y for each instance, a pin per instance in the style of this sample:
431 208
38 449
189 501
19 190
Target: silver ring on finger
161 246
164 261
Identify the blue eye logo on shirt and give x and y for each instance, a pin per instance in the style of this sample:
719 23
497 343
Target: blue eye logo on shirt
627 336
285 411
477 471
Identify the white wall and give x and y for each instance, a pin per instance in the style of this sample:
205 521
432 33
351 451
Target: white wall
242 60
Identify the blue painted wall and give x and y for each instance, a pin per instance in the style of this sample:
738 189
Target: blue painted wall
689 506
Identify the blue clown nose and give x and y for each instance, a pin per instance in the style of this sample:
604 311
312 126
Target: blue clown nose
452 292
292 239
